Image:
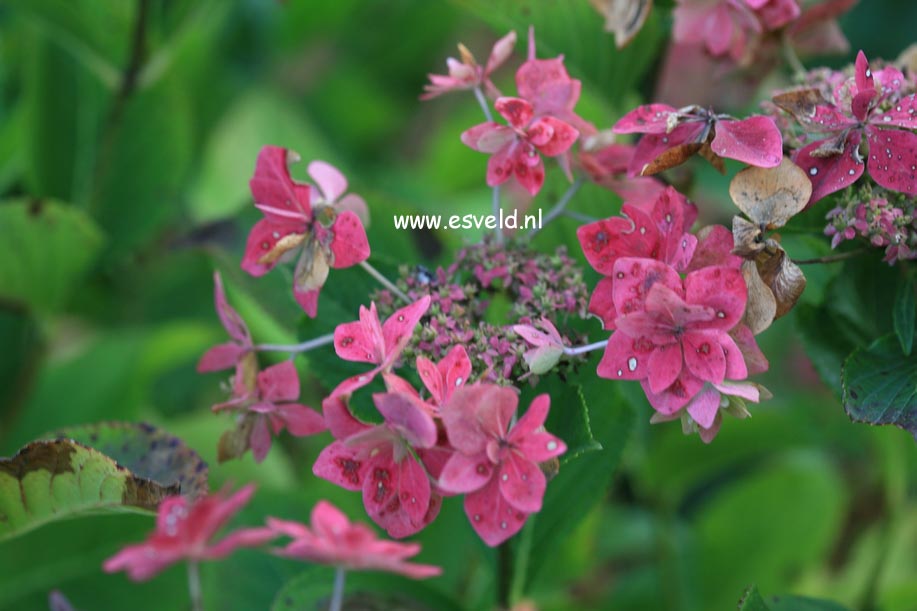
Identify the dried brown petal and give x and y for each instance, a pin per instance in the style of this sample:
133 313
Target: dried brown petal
624 18
785 278
747 237
672 157
771 196
800 103
761 307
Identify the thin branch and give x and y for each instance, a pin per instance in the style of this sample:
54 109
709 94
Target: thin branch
337 597
305 346
789 53
495 210
583 218
194 586
482 101
559 207
372 271
830 258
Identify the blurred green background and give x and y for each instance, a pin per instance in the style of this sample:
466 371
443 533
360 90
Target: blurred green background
120 196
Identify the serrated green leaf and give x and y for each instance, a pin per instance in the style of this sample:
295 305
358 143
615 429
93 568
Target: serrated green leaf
904 315
105 467
368 591
880 385
751 600
50 246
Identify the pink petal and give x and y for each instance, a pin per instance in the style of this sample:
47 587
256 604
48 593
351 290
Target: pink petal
720 288
501 51
516 111
340 421
754 359
860 103
704 356
397 384
718 32
491 516
329 179
476 414
463 473
651 146
307 300
755 141
707 435
862 73
328 521
830 174
260 439
647 119
273 189
144 561
279 382
300 420
746 390
402 413
704 408
602 304
673 217
893 159
522 483
777 13
625 358
634 277
350 245
488 137
548 86
230 319
541 447
675 396
356 204
714 248
664 366
399 327
529 177
245 537
397 495
735 361
562 138
902 114
362 340
604 242
341 465
262 239
354 383
501 163
221 357
533 419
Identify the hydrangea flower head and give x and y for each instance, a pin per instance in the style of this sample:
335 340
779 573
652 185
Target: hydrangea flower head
468 74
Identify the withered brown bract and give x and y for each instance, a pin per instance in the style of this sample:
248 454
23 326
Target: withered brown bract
670 158
770 197
624 18
800 103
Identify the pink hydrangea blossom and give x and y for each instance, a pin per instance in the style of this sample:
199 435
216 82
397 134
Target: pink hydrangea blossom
335 540
379 461
443 378
495 465
673 336
184 531
468 74
324 236
755 140
835 162
272 397
515 149
723 27
703 414
659 231
230 354
369 341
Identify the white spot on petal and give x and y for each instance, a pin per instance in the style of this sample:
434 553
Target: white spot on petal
632 363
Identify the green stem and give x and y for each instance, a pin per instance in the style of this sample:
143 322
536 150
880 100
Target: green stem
830 258
194 586
559 207
305 346
372 271
337 597
789 53
504 574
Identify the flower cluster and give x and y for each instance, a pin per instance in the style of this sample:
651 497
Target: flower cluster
461 295
264 401
886 219
681 337
875 108
314 223
422 449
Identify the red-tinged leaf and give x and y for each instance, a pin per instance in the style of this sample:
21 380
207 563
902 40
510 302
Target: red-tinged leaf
755 141
831 173
893 158
648 119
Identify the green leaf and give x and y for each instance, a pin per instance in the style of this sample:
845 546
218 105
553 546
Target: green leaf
582 483
569 415
369 591
51 246
904 315
880 385
106 467
751 600
803 603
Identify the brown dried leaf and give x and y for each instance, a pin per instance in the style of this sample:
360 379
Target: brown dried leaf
761 307
785 278
670 158
748 238
624 18
800 103
235 442
771 196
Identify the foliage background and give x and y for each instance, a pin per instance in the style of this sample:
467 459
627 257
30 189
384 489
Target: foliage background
118 203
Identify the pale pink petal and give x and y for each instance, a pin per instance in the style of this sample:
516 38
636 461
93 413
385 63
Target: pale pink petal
463 473
300 420
329 179
356 204
705 406
260 439
279 382
399 327
541 447
403 413
501 51
221 357
488 137
755 141
522 483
